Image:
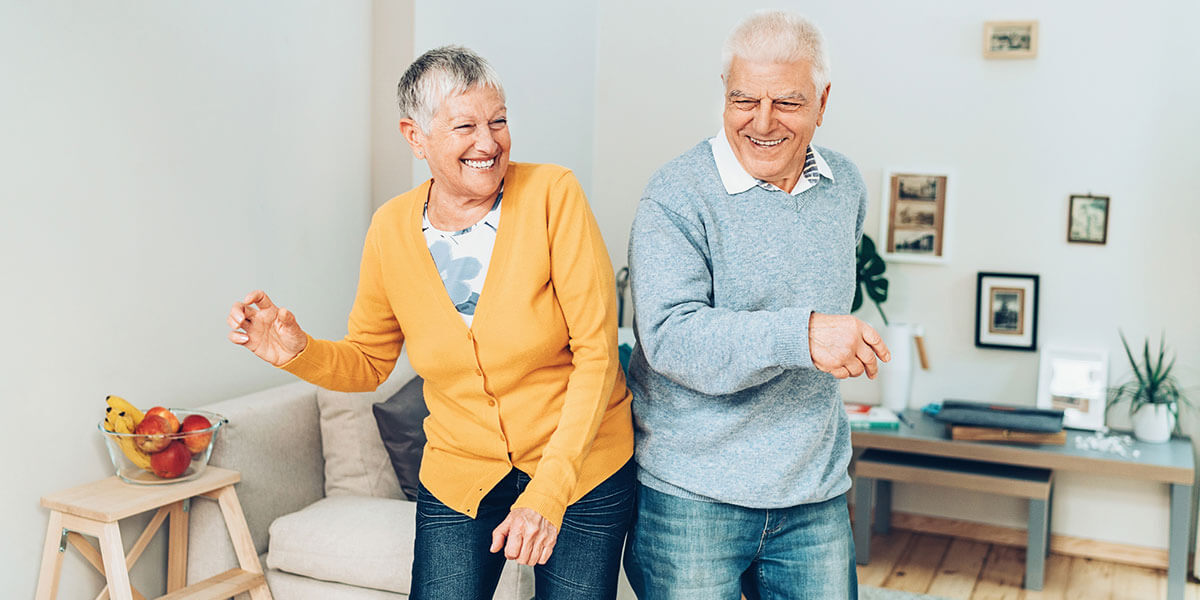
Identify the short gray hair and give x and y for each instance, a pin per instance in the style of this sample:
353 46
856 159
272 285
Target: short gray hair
438 74
778 37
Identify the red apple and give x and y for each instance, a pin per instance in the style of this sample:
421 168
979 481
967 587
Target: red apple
172 461
195 442
167 416
152 434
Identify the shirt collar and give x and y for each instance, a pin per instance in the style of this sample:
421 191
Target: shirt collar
736 180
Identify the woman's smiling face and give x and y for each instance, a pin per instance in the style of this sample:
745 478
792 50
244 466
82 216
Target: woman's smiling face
467 144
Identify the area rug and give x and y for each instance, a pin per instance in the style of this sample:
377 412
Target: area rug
874 593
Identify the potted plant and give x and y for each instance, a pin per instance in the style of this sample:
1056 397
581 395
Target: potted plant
1153 394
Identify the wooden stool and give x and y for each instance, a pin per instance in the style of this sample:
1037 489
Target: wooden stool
94 509
875 471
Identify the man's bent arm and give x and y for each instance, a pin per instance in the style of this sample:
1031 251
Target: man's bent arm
682 335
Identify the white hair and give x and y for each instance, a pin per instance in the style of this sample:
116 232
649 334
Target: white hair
778 37
438 74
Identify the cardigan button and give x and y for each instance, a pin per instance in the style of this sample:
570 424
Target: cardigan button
491 402
479 372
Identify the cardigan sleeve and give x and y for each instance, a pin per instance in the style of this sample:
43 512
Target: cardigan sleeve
582 276
365 357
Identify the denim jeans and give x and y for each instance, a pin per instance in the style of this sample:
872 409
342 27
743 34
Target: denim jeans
452 560
681 549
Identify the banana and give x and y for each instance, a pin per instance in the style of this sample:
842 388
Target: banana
122 421
119 403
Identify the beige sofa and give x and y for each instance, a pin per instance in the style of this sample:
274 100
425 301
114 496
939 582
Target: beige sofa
320 496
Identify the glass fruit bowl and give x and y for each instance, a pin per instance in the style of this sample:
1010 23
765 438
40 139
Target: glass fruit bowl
152 459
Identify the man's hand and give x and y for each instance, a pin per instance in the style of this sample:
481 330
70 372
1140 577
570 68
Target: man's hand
269 331
530 537
844 346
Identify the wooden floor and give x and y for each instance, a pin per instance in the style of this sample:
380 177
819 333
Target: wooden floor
959 568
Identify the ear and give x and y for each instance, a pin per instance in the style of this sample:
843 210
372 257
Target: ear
414 136
824 102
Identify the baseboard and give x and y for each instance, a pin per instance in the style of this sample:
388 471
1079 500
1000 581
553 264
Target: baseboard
1141 556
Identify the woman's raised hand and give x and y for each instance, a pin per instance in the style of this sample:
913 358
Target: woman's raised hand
269 331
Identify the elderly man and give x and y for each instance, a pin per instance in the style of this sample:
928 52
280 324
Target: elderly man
743 269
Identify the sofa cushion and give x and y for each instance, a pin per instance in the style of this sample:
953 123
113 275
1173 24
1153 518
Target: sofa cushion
356 462
356 540
400 421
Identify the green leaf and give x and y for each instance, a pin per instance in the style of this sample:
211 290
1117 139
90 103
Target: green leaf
869 280
1132 362
1153 383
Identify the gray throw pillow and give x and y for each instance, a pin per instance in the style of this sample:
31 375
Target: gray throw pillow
400 419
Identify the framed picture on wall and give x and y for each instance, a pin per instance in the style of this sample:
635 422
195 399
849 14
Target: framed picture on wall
1075 382
1010 39
1006 307
915 209
1087 219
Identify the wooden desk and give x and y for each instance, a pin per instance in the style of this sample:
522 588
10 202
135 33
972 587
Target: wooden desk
1171 463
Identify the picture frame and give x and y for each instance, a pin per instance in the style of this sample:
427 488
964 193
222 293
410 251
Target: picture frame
1076 382
1087 219
1010 39
916 210
1006 311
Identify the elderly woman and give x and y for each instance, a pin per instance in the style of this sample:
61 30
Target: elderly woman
495 276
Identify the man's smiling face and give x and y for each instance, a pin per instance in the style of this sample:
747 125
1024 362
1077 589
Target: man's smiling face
771 113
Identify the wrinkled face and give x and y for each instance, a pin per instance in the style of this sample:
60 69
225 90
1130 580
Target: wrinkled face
771 113
467 144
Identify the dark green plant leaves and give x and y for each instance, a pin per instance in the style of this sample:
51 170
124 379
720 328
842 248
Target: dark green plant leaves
1152 381
870 268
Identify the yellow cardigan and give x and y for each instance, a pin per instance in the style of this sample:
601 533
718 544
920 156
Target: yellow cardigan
534 383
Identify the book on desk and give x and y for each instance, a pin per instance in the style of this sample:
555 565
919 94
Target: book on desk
981 422
864 416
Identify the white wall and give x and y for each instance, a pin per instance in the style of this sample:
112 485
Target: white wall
545 53
159 161
1109 106
392 51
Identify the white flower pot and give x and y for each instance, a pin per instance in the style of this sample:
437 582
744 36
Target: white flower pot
1153 423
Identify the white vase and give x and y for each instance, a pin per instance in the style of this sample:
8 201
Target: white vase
1153 423
896 375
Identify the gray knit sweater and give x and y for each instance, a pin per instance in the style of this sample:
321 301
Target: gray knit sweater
727 404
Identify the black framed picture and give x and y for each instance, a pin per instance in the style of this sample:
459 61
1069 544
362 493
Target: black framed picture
1006 307
1088 220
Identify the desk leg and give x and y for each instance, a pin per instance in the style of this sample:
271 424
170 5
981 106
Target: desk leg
883 506
863 494
1035 547
1181 521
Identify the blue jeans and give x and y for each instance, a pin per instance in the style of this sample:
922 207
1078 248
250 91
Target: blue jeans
452 560
682 549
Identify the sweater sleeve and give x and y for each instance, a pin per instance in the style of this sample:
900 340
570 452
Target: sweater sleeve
582 276
712 350
365 357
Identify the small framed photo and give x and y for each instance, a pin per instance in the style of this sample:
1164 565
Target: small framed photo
1006 311
1010 39
1087 220
913 227
1075 382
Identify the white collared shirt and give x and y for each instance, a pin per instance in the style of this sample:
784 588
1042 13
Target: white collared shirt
737 180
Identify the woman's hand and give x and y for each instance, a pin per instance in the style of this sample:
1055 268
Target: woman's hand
530 537
269 331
